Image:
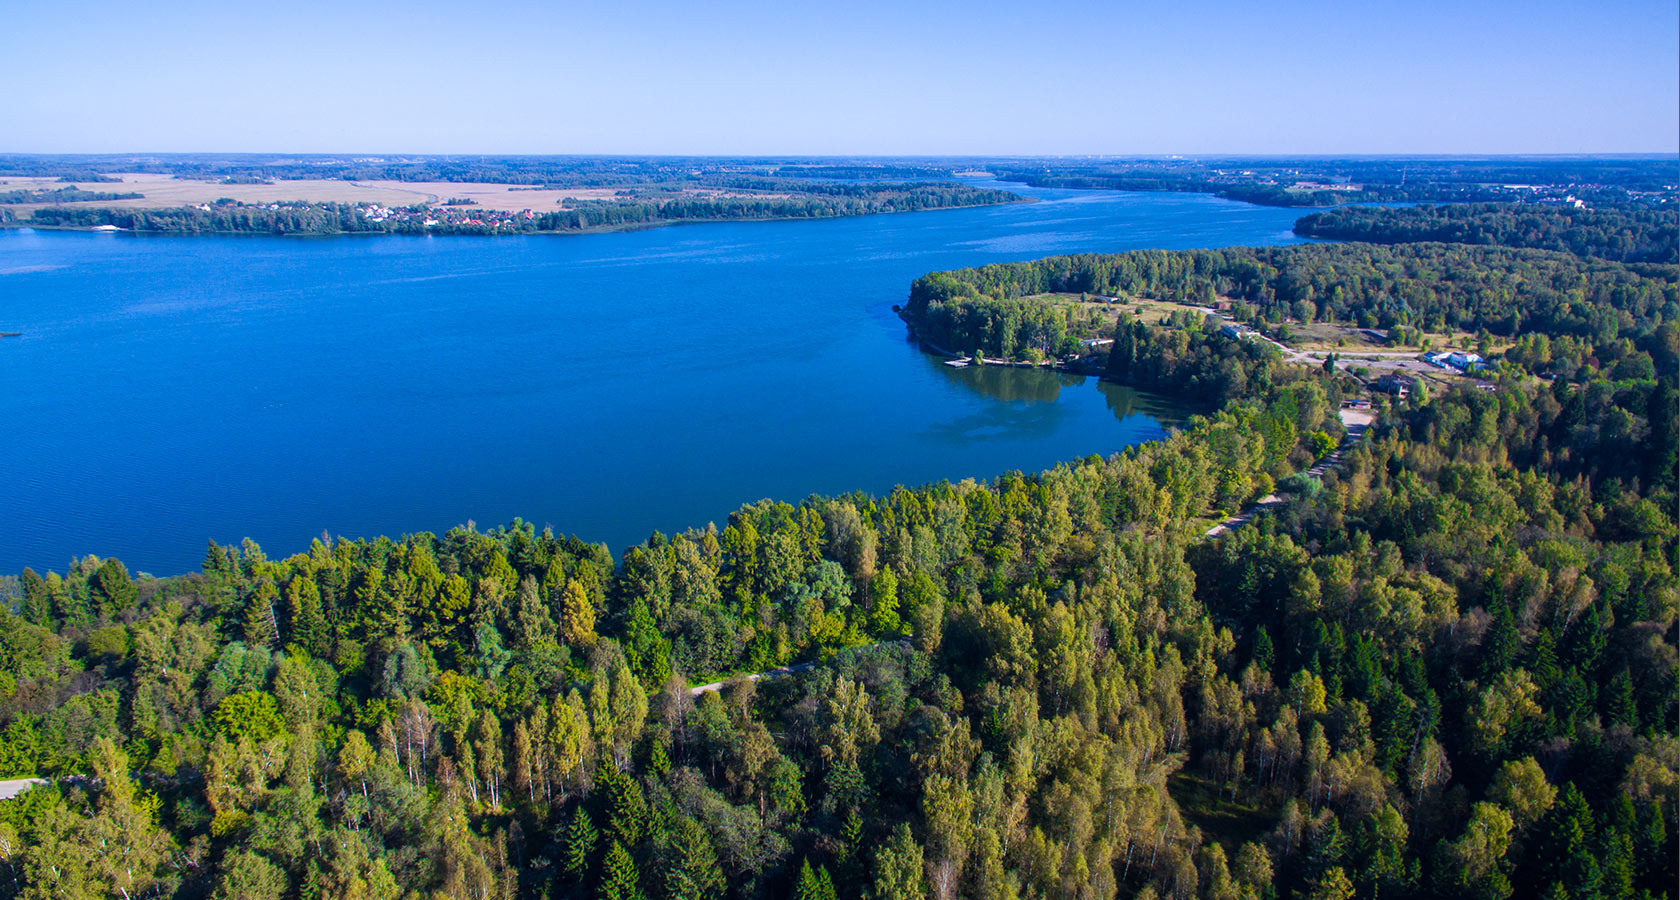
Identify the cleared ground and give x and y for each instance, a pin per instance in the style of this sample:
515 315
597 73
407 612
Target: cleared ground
168 191
1339 337
1152 312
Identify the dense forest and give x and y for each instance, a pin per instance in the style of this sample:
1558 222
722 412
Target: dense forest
1433 287
1446 670
814 201
297 218
1010 328
71 194
1194 361
1624 235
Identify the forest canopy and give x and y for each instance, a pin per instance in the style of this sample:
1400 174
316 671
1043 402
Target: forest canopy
1630 235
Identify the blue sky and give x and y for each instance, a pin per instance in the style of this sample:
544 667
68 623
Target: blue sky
663 77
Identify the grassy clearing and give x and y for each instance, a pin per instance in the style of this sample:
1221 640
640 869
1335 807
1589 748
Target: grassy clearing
1348 339
1152 312
1207 807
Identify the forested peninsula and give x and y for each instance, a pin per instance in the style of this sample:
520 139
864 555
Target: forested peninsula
1433 287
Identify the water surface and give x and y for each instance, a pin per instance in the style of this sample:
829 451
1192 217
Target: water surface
168 390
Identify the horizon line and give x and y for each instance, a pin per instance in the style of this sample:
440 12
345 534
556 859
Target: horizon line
1536 155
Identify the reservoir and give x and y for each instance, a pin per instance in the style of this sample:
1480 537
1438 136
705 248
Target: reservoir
167 390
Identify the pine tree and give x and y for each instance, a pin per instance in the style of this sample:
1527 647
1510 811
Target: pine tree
114 590
1567 845
1543 662
851 834
806 888
261 629
307 627
627 814
1619 707
659 758
1264 655
1656 854
581 838
1617 866
1500 646
217 560
37 600
691 866
618 876
1584 643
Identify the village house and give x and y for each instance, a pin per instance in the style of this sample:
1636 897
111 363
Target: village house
1395 383
1464 361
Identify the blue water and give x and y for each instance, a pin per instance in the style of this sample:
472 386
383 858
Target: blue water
168 390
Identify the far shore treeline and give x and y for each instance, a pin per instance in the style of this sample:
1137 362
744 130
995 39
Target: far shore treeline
1319 181
1624 234
807 201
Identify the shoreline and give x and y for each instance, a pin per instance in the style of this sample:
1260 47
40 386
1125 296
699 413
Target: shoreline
18 225
952 357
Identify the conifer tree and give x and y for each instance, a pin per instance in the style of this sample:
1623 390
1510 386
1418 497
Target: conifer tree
627 813
619 879
691 866
581 838
577 623
807 887
306 626
261 628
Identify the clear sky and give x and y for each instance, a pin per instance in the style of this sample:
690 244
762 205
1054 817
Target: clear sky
787 77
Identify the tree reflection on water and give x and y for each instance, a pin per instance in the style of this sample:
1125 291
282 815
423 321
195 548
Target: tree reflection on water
1034 386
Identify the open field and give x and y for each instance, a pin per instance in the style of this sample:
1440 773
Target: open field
167 191
1341 337
163 191
1152 312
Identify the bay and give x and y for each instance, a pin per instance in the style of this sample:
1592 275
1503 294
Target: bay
168 390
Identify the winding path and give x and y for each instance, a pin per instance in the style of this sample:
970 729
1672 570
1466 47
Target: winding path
15 786
785 670
758 676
